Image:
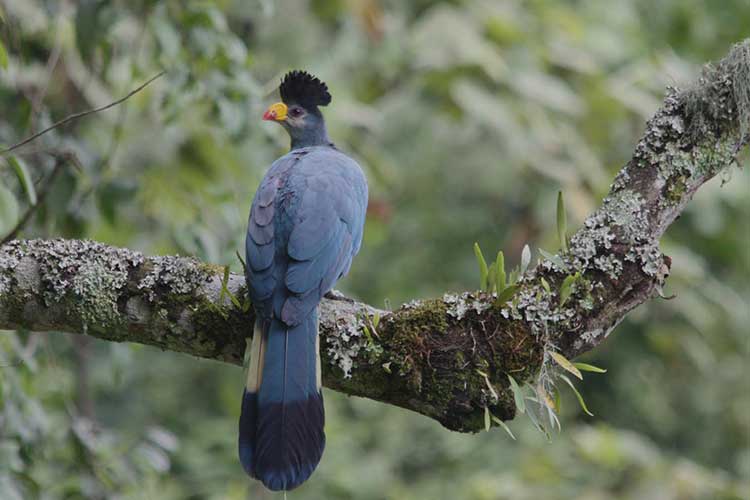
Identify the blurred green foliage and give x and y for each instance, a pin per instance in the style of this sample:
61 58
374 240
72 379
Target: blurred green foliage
469 117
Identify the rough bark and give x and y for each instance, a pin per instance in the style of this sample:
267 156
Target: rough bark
446 358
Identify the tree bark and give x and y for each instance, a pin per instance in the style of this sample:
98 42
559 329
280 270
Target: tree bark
447 358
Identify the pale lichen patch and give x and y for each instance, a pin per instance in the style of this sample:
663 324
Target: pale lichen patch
9 259
609 264
621 180
624 219
344 348
27 275
176 275
86 274
586 243
539 309
588 338
651 258
457 305
96 289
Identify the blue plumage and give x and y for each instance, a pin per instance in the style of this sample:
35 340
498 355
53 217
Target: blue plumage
305 226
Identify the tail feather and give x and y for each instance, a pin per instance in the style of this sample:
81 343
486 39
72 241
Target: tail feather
286 410
248 430
249 412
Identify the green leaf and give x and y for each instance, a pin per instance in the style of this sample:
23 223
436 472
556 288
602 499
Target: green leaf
491 277
545 285
3 56
23 177
226 291
368 336
517 394
589 368
224 281
537 424
8 211
506 294
242 261
487 421
235 301
482 267
544 397
500 270
513 276
567 287
578 395
562 223
504 426
525 258
567 365
553 420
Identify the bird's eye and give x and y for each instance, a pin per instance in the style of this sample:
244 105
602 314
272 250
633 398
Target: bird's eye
296 111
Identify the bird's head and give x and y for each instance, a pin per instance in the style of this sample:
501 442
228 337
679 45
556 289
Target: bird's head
298 112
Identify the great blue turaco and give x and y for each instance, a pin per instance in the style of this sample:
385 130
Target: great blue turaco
305 226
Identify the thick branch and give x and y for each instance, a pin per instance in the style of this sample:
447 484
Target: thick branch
437 357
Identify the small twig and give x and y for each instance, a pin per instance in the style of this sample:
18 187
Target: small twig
76 116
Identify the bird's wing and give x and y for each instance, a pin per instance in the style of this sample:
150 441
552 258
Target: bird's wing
327 229
261 241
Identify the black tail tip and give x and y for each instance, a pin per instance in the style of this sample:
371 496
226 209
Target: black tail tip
290 442
288 479
248 424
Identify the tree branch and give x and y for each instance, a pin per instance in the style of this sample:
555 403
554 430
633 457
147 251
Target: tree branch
447 358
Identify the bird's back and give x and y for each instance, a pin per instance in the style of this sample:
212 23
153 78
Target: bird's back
303 192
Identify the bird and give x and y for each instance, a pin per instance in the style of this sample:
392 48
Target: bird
305 227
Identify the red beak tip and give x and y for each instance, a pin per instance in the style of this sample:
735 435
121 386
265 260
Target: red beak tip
269 115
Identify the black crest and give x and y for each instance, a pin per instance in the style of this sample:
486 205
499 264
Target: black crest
302 88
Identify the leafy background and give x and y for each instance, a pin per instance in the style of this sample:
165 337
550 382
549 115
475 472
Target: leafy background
469 117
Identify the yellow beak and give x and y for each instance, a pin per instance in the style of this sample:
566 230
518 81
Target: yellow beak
276 112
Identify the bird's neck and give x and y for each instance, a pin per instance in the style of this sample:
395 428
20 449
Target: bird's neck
317 136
